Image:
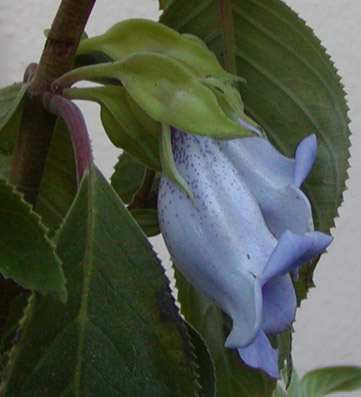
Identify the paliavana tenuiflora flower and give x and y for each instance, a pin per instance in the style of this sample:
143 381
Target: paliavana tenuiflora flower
250 227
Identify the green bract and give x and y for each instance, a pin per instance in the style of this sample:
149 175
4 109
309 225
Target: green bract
141 35
161 79
121 125
168 92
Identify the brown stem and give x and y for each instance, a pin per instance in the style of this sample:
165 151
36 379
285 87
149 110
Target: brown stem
37 124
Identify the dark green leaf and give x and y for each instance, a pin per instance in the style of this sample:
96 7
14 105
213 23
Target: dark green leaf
120 333
9 330
284 343
205 364
147 219
292 89
26 254
233 378
11 108
127 178
58 186
5 166
164 3
324 381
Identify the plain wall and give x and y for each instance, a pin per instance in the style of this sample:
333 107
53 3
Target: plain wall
328 324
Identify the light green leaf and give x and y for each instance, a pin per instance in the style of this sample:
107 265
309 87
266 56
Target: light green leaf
26 254
150 125
168 164
167 91
120 333
324 381
58 185
279 392
293 388
233 378
141 35
11 109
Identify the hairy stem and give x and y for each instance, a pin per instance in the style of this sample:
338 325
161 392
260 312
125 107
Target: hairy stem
75 123
37 124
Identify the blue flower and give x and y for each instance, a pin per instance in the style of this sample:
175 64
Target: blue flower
250 227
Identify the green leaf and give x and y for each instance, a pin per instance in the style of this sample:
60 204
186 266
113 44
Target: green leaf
168 164
8 331
205 364
119 122
233 378
324 381
164 3
284 343
292 89
127 177
150 125
146 36
58 185
26 254
167 91
279 392
5 166
120 333
294 386
147 219
11 109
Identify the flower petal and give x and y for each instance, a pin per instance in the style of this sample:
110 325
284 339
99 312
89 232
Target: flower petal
292 251
256 157
279 305
285 257
270 176
305 157
216 244
261 355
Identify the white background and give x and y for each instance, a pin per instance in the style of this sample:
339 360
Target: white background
328 324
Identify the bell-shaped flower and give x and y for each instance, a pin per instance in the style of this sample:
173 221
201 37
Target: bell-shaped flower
250 226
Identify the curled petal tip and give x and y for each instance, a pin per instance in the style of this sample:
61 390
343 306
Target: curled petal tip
305 157
287 255
320 241
261 355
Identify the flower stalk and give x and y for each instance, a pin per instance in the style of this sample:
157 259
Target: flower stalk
75 123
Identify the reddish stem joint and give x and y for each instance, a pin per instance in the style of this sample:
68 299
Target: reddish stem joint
75 122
